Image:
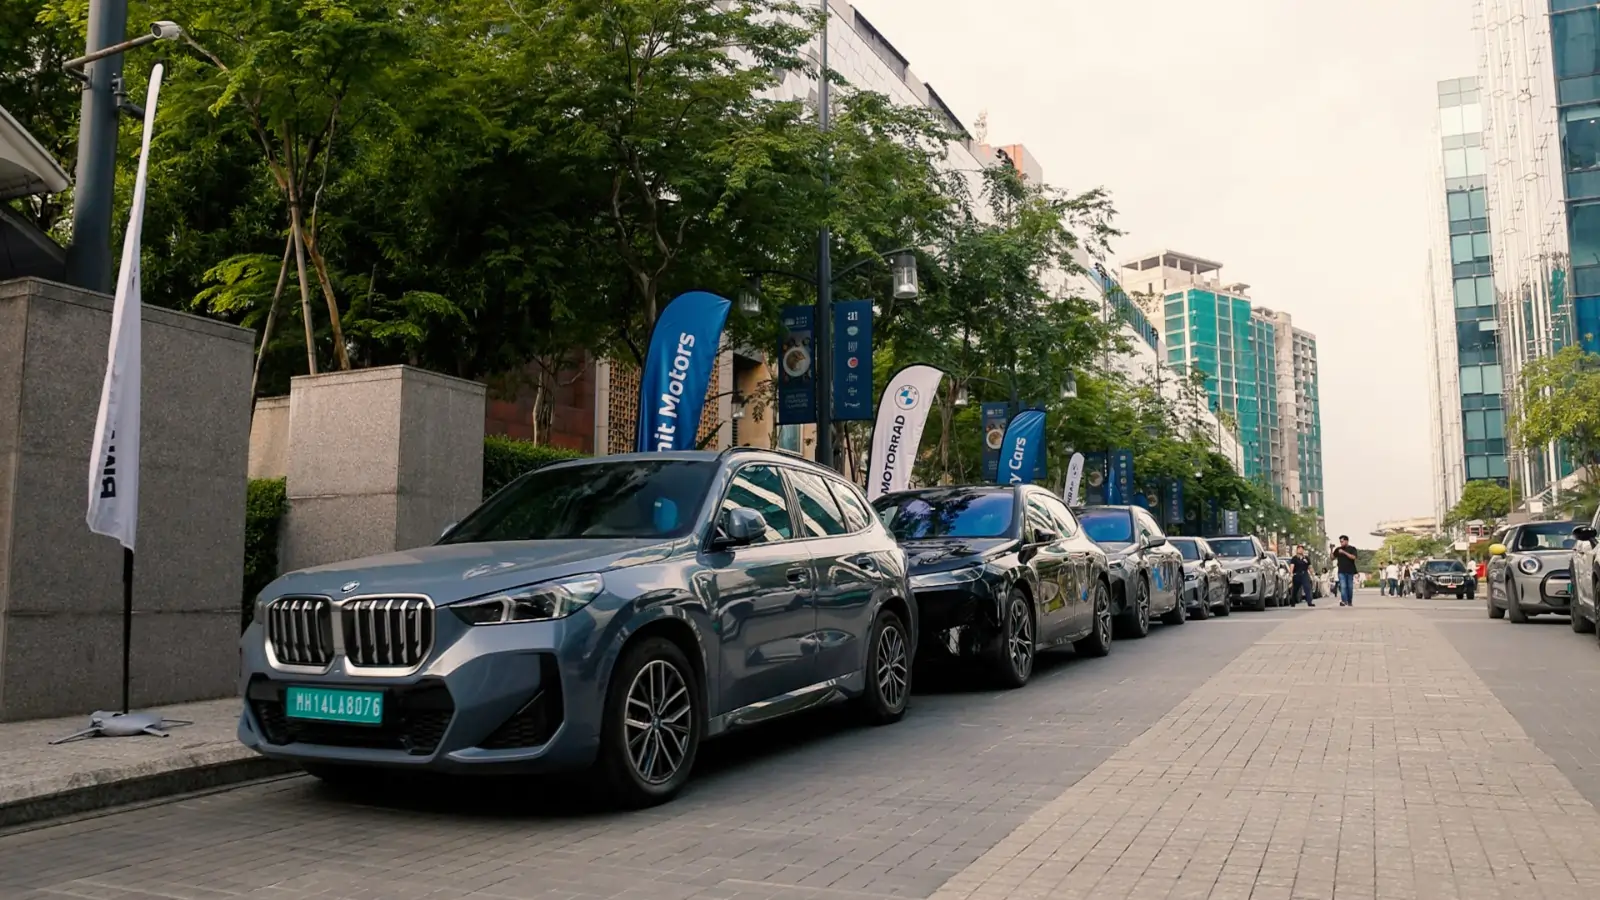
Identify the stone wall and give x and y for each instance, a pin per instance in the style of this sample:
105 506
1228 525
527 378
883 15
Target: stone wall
60 585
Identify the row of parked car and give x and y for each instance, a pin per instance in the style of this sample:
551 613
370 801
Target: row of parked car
1545 568
611 614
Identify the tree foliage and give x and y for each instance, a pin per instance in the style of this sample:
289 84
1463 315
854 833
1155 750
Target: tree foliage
1484 501
1560 402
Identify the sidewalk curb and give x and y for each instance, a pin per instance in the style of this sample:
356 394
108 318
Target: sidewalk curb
118 792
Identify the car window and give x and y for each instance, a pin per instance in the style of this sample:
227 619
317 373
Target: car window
1108 526
1189 547
1065 523
1546 536
1443 566
857 514
761 488
1234 548
634 498
1038 520
1147 525
819 512
953 513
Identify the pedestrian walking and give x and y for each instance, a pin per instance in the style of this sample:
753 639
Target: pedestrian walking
1345 556
1391 579
1300 565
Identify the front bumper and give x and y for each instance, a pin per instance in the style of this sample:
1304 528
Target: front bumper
520 698
1544 592
1242 586
1457 587
956 621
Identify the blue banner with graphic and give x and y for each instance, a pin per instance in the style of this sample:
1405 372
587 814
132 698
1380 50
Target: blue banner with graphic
1172 503
1022 450
1096 478
797 371
1119 484
852 361
1230 521
677 371
993 417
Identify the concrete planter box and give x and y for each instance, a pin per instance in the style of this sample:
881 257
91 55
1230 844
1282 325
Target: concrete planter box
60 585
379 460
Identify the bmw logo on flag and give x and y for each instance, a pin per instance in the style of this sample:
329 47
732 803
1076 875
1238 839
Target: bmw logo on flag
907 397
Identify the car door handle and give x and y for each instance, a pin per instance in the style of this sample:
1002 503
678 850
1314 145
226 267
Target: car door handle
799 575
864 561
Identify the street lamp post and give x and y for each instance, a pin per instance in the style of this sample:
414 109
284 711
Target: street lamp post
824 323
100 71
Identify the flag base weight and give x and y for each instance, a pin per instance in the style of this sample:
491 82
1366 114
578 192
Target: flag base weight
119 724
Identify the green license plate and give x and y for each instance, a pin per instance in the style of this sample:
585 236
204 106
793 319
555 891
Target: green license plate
334 705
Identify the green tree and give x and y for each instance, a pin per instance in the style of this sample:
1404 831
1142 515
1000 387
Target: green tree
1484 501
1558 404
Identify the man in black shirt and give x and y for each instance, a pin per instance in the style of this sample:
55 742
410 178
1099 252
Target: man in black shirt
1300 565
1345 556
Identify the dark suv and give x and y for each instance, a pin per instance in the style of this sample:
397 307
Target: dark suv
607 613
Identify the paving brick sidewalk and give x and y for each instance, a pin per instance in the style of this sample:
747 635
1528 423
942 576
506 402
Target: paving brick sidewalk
1350 753
40 780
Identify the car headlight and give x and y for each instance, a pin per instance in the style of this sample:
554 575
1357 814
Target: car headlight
1247 570
963 575
1528 564
533 603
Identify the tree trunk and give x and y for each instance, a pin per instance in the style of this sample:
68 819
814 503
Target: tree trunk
272 317
298 238
341 353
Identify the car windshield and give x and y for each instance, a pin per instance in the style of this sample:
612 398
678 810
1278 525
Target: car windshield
1234 548
1545 536
623 499
1189 549
946 513
1445 566
1108 526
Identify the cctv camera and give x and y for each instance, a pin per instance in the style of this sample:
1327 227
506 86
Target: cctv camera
166 31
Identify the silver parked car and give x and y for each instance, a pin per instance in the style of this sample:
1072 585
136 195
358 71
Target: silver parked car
1252 576
1530 570
1586 575
1205 584
601 615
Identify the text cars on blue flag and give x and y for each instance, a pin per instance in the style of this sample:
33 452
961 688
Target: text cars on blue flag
677 372
902 414
1022 451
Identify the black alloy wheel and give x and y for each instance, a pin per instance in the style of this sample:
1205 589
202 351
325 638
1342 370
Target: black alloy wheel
1013 653
888 672
1514 610
1203 610
652 726
1135 623
1175 615
1098 642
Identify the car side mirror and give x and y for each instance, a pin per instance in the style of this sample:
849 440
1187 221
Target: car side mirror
740 527
1045 537
1155 540
1497 550
1209 556
1585 533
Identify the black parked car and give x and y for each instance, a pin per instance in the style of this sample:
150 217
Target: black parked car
1000 573
1146 571
1444 576
1205 584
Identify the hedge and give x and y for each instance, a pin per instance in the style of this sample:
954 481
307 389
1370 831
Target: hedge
266 500
505 459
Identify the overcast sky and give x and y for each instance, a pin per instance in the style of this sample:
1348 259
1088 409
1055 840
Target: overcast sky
1287 139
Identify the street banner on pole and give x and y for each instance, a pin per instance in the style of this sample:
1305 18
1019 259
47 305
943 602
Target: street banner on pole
797 375
993 417
677 372
1096 478
852 360
1022 451
1074 489
902 414
1119 488
114 463
1230 521
1173 497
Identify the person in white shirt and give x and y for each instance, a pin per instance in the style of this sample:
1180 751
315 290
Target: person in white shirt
1391 575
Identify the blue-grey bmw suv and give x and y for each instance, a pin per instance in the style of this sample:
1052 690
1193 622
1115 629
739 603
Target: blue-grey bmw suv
604 614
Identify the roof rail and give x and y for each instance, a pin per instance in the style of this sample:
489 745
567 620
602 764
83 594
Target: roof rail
779 450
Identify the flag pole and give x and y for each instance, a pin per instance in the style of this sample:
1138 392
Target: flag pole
127 622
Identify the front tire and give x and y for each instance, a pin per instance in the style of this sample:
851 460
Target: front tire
1203 610
1495 612
1514 610
1135 623
888 671
1098 643
652 727
1013 653
1175 615
1226 608
1258 603
1580 624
